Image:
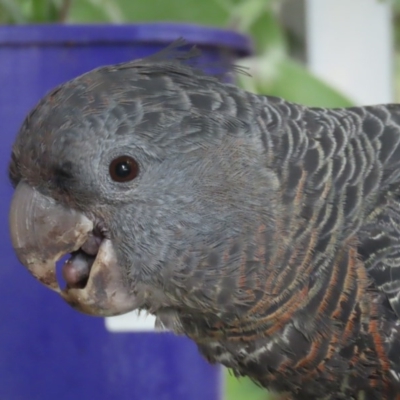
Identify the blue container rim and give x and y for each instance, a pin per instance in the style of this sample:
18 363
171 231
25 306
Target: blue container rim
157 32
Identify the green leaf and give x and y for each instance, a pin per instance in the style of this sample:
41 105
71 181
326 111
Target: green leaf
268 34
84 11
286 78
40 11
259 18
244 389
109 8
246 13
207 12
11 12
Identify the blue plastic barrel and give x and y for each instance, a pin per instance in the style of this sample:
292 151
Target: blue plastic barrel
48 351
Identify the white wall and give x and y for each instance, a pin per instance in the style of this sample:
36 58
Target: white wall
349 44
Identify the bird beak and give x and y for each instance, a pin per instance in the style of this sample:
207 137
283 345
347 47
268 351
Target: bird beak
43 231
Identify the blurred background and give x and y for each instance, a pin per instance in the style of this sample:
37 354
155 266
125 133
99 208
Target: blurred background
329 53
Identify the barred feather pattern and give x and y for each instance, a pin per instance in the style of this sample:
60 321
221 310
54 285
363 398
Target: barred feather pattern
311 311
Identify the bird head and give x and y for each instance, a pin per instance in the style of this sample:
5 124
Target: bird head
151 175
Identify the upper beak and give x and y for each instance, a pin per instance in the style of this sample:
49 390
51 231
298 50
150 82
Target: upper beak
42 231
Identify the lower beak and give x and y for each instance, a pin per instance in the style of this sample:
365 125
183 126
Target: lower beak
43 231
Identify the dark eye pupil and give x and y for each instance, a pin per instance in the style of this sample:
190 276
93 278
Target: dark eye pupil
123 169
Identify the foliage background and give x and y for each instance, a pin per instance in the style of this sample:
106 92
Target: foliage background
274 70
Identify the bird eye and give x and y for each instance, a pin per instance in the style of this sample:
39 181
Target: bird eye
124 169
